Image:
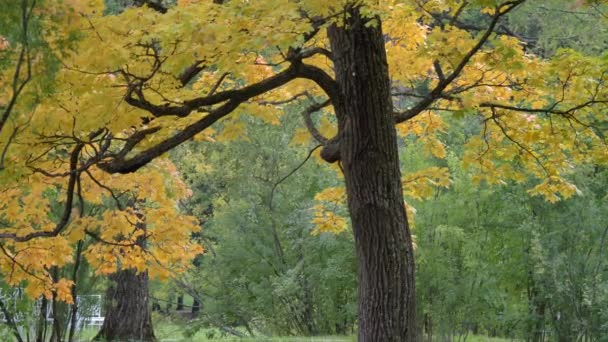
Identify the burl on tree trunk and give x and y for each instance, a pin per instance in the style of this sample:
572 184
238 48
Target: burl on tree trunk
127 317
369 156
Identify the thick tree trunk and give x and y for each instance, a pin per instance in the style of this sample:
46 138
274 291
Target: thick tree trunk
127 316
369 156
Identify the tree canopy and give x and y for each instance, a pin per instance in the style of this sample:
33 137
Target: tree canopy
94 95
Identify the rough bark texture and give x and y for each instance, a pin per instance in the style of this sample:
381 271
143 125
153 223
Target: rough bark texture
369 157
127 316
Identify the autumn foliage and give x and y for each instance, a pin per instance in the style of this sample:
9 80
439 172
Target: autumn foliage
129 87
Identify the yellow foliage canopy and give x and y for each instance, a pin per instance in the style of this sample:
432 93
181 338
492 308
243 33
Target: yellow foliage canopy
127 90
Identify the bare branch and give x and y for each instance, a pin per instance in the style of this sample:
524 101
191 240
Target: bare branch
439 70
190 72
299 166
310 125
550 110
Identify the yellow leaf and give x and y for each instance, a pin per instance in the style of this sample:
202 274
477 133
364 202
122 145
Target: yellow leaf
300 137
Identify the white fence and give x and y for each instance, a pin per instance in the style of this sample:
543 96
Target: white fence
89 308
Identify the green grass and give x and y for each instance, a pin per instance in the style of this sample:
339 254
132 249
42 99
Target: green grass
174 333
270 339
201 337
170 332
476 338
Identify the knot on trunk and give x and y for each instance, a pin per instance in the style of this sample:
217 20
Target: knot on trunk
331 151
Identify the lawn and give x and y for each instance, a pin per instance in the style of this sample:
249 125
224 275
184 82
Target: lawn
173 333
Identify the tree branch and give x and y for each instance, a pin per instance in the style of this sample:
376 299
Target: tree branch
436 93
232 99
310 125
67 209
19 84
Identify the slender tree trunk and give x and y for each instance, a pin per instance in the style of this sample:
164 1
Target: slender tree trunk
168 307
127 315
74 308
196 308
428 325
57 334
10 321
41 325
307 300
180 302
369 156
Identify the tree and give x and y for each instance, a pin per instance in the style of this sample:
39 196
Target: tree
146 237
265 269
494 261
27 66
200 62
556 24
128 315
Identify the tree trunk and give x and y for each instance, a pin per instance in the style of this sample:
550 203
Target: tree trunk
74 308
196 308
41 324
8 317
180 302
369 156
127 314
57 333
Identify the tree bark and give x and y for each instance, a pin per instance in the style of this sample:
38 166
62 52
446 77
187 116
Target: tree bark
127 314
368 153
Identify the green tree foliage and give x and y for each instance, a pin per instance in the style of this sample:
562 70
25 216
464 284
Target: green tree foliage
492 260
546 26
263 268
